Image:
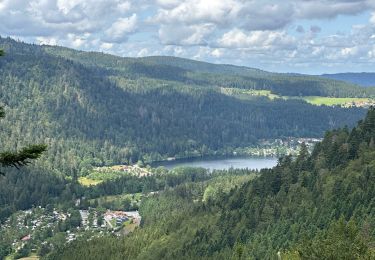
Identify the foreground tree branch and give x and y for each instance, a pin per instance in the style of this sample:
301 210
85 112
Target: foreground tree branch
23 157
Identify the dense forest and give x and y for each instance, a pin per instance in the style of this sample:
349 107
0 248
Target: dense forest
97 109
316 206
206 74
93 109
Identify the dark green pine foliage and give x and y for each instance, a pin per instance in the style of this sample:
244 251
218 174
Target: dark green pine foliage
22 157
94 109
318 206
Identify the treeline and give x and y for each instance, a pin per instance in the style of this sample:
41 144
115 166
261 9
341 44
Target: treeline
318 206
100 111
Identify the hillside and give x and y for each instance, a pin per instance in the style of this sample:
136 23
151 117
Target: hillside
206 74
318 206
98 109
364 79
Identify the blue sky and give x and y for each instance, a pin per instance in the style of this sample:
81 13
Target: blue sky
305 36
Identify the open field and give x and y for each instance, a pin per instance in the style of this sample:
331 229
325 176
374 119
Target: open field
329 101
88 182
101 174
246 94
30 258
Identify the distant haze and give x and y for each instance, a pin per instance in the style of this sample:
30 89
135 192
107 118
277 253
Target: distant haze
361 79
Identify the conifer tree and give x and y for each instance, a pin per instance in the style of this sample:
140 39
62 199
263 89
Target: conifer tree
22 157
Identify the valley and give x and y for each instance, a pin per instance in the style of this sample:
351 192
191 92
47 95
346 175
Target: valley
168 158
240 213
94 109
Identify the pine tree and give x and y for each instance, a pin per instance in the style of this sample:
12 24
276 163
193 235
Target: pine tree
22 157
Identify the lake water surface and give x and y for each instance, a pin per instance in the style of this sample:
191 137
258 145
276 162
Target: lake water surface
253 163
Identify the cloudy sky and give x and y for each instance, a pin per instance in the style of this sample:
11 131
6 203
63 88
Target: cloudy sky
306 36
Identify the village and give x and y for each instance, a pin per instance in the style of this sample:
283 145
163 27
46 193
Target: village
37 229
277 147
111 220
360 103
135 169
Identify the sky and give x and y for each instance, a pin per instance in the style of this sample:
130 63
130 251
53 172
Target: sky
302 36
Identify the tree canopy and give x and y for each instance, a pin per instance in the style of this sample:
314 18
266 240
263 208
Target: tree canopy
22 157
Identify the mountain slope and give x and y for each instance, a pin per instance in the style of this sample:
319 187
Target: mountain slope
95 109
206 74
318 206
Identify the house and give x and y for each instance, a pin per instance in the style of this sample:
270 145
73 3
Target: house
26 238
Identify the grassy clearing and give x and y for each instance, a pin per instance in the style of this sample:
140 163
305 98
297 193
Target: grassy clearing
31 257
84 181
101 174
246 94
329 101
105 175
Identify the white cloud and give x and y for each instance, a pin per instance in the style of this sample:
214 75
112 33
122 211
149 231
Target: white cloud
372 19
168 3
329 8
246 32
121 28
185 35
217 53
124 7
106 46
199 11
67 5
349 51
371 53
268 16
257 40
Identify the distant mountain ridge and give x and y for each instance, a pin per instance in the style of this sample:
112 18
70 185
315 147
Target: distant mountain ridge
98 109
364 79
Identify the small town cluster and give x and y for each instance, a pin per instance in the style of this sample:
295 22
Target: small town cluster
277 147
44 227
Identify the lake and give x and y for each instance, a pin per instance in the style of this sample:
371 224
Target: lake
253 163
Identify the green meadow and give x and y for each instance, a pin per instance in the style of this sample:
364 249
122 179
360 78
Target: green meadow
330 101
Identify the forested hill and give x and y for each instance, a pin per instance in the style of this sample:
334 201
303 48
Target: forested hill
95 109
214 75
364 79
318 206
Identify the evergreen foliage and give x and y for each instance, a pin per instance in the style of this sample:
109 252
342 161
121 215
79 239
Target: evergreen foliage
22 157
96 109
316 206
93 109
